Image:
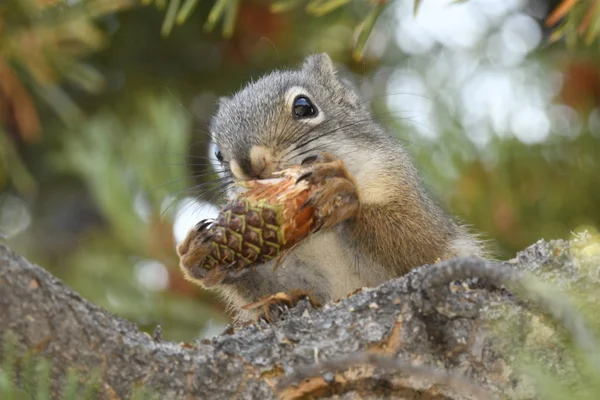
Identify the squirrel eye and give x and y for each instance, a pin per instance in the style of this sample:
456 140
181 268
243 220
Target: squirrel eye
303 107
219 155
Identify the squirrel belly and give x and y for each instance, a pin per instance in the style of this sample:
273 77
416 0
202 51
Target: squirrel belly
388 224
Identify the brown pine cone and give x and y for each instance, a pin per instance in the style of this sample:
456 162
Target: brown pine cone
259 225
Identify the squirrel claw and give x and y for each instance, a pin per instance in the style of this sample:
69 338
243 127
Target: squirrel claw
304 176
321 167
320 158
310 159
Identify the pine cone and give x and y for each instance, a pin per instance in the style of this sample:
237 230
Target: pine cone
259 225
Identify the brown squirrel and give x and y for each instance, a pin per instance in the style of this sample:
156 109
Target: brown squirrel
313 117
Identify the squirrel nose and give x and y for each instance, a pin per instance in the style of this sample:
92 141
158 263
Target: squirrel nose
259 165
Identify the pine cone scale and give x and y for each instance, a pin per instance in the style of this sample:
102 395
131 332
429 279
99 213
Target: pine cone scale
260 224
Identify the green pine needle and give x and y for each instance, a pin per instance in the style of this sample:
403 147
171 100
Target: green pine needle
43 377
71 385
215 14
170 17
319 8
365 29
185 11
282 6
416 7
230 18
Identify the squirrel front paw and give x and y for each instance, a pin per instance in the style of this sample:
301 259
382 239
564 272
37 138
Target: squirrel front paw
336 198
273 308
193 250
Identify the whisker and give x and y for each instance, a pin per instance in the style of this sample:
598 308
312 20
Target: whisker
293 131
186 164
213 194
203 204
378 96
291 152
330 119
274 133
145 196
284 138
194 188
326 133
208 158
199 142
314 149
178 102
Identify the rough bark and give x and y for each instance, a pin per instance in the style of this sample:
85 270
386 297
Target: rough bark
411 343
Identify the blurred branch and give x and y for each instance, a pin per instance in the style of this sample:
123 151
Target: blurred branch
12 168
42 44
578 18
366 27
573 20
226 11
119 163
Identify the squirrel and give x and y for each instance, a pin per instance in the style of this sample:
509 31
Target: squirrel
313 117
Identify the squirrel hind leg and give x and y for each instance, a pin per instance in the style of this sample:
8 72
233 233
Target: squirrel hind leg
273 308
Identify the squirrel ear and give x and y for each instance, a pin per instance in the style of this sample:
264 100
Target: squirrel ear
320 64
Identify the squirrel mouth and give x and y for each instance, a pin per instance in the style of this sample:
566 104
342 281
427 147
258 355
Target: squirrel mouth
275 178
242 186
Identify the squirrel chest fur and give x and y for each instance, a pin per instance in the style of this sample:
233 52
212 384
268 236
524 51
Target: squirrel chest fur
389 224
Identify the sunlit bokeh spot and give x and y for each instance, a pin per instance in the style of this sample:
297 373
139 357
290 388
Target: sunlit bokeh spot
142 206
152 274
14 215
478 49
189 212
211 329
408 100
565 120
594 122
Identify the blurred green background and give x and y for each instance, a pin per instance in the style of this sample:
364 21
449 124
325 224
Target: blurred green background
104 106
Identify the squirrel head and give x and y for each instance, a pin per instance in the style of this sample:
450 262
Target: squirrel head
287 116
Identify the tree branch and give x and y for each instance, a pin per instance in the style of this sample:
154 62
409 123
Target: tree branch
402 339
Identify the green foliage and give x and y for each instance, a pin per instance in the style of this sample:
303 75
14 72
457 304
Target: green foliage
126 165
575 21
577 379
28 377
43 44
366 28
226 12
13 169
62 37
511 191
562 359
119 162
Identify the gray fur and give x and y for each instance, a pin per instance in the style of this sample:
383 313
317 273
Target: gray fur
399 227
